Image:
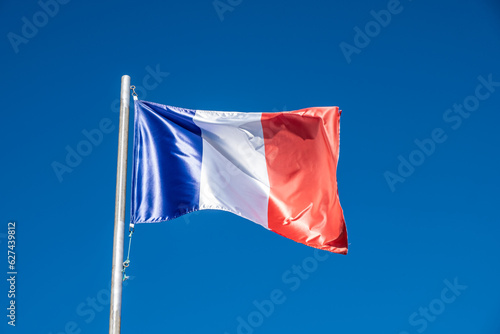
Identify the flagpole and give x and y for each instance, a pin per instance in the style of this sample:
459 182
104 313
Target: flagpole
121 188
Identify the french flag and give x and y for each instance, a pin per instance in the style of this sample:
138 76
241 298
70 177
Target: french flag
278 170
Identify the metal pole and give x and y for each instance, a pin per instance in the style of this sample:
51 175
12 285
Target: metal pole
121 188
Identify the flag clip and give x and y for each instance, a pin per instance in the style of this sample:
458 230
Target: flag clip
126 264
134 94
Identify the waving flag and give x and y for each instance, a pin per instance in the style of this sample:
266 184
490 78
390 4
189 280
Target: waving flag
275 169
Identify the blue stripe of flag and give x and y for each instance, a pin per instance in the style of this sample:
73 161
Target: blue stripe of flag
166 137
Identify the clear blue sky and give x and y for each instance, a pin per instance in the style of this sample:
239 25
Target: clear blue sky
412 233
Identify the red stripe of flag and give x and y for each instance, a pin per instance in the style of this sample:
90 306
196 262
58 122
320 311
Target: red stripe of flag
302 149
